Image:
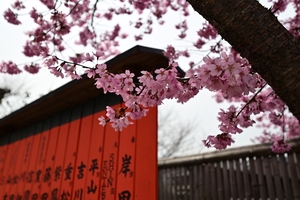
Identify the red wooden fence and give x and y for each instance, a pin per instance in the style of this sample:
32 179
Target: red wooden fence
54 148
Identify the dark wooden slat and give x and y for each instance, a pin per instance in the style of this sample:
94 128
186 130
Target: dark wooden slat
220 182
207 183
254 181
246 178
201 181
285 177
184 171
232 175
175 182
298 164
277 179
160 185
191 181
196 186
214 187
261 179
226 179
293 175
241 191
270 182
168 184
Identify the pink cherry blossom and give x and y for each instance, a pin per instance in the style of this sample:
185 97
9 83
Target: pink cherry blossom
18 5
9 68
11 17
221 141
223 70
280 146
33 68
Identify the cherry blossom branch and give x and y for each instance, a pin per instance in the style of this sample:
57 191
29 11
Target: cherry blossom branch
93 14
72 63
252 99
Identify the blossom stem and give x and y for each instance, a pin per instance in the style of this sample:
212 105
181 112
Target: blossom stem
251 99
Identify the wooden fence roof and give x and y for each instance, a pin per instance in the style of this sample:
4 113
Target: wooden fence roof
77 91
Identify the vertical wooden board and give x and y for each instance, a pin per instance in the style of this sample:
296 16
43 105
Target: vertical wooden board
80 187
17 168
226 179
297 154
220 182
60 146
284 175
33 155
126 162
71 153
3 152
10 164
46 160
241 190
109 163
261 180
40 176
28 139
174 183
3 148
232 174
96 149
293 176
277 179
246 177
254 181
109 150
214 187
179 191
191 182
207 184
160 184
167 183
146 166
269 179
196 182
201 181
186 183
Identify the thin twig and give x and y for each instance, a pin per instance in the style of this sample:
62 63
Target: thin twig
68 62
251 100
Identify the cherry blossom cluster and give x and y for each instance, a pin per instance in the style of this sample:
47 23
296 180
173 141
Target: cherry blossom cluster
227 74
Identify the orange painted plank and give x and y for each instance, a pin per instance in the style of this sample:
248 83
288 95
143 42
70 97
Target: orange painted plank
3 154
33 155
17 167
10 161
81 168
126 162
3 149
96 151
41 176
146 158
46 159
59 155
70 154
109 163
28 140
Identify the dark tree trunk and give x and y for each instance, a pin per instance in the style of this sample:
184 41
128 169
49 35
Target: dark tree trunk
256 33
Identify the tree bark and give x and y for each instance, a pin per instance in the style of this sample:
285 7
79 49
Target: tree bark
257 35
